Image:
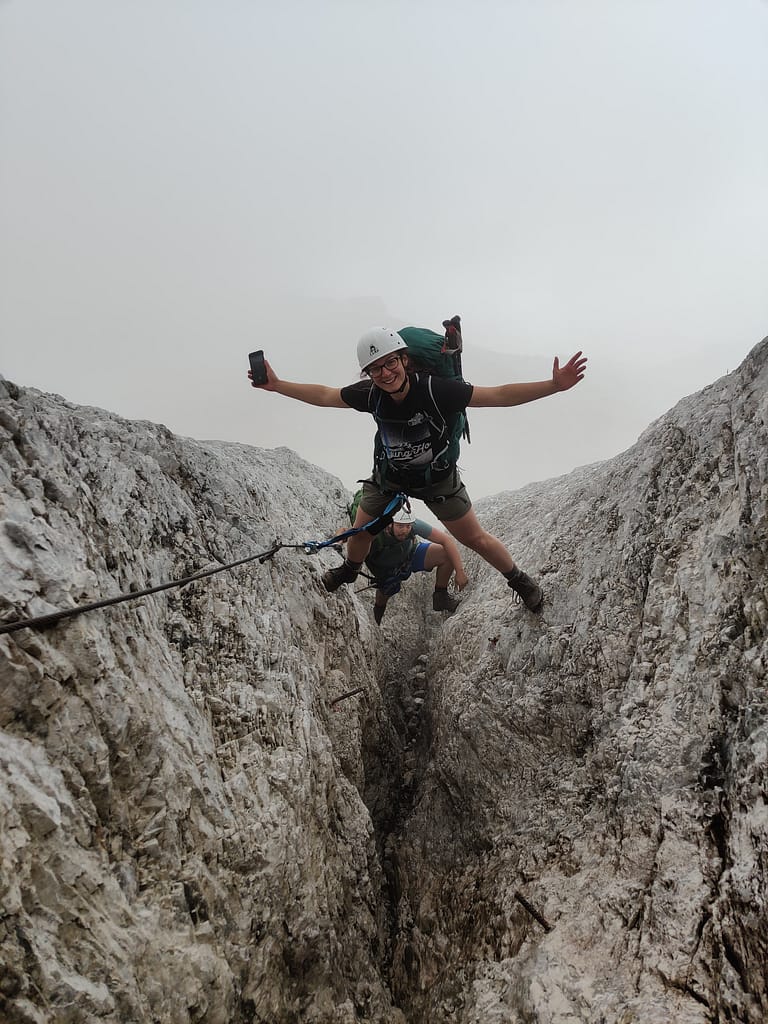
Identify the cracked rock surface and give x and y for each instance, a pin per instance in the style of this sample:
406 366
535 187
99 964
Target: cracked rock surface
183 838
606 760
522 818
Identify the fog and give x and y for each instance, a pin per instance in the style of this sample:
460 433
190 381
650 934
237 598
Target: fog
182 182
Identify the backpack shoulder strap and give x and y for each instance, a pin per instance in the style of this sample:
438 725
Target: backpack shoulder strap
438 410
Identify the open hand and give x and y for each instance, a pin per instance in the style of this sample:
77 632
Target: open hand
567 376
460 579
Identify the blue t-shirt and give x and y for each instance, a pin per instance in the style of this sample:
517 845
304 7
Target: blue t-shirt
422 529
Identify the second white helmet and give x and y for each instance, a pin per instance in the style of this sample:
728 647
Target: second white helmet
377 343
404 518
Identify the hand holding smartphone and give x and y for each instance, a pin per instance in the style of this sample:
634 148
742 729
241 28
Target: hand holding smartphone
258 368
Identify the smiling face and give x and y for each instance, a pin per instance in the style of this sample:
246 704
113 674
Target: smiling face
389 373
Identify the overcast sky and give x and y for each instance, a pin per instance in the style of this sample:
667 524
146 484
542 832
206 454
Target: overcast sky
182 181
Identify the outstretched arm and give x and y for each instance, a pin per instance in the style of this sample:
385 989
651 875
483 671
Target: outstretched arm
312 394
563 378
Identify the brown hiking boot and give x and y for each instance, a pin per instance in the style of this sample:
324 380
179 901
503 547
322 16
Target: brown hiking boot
443 602
529 592
335 578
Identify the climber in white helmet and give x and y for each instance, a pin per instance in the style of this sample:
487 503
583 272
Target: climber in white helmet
409 545
416 444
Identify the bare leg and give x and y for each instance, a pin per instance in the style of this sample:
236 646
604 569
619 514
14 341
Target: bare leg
359 544
437 556
468 531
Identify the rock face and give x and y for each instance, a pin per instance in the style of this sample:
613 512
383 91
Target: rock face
183 838
606 760
547 819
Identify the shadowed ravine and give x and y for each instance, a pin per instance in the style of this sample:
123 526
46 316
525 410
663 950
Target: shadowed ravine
542 819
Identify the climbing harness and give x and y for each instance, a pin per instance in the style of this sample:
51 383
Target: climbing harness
309 547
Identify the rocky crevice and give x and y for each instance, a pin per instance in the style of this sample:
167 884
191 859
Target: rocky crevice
571 827
639 707
181 840
396 752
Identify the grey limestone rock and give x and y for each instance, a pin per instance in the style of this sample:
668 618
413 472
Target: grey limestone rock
606 760
183 837
549 818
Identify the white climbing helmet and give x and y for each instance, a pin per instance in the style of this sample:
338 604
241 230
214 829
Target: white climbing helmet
376 343
404 518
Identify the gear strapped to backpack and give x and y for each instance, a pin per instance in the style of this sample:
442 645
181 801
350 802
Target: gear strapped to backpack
440 356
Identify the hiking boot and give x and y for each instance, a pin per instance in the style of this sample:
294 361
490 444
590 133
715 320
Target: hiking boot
378 613
443 602
335 578
530 593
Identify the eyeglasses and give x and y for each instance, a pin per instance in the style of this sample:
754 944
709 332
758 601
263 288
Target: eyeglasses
389 364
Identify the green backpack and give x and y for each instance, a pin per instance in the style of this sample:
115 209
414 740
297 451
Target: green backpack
439 355
353 505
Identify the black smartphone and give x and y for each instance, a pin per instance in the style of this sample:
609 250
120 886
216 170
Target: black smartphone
258 369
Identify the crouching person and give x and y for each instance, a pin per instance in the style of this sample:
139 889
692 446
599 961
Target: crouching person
410 545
